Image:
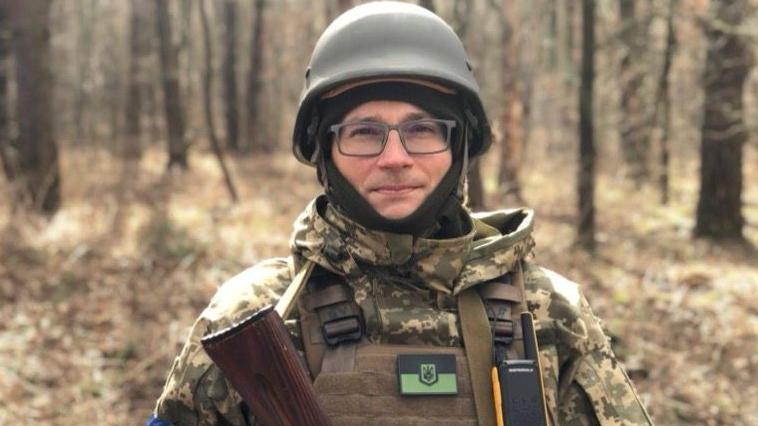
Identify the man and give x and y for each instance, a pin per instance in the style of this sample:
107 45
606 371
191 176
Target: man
390 116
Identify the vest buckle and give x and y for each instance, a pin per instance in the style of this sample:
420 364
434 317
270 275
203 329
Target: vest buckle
342 330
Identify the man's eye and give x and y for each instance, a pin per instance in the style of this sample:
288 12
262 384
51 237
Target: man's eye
358 131
423 129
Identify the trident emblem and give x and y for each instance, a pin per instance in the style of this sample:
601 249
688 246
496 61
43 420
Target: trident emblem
428 374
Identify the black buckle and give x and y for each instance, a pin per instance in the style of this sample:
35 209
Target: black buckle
502 331
500 322
342 330
340 322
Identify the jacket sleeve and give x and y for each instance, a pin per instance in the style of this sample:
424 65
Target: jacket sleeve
592 387
600 380
196 393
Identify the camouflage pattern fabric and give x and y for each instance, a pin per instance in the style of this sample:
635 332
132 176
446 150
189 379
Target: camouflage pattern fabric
406 288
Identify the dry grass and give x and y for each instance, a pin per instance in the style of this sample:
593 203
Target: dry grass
97 301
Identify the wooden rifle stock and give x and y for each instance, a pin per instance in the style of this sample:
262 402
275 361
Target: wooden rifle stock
259 359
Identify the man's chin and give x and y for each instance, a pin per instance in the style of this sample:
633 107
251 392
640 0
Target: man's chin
397 212
395 206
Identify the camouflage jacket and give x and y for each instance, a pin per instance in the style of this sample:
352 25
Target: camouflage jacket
406 288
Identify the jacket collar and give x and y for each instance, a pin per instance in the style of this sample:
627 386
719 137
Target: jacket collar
325 236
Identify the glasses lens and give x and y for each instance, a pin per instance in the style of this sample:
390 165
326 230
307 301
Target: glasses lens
361 138
425 136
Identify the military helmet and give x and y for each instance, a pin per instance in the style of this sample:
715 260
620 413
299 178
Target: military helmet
385 41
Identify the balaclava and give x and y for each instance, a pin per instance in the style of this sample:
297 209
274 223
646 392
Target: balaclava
440 213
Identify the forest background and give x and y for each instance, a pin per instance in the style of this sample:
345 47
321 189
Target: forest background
630 126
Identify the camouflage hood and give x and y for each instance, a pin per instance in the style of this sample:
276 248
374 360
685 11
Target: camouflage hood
496 241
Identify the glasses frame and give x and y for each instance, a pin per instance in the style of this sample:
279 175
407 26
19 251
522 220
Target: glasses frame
449 124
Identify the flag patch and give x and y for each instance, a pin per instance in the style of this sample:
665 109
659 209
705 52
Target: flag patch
427 374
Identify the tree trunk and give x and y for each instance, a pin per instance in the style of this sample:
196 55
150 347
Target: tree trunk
172 102
512 119
229 71
208 101
85 17
586 177
570 15
343 5
7 153
255 134
663 104
634 126
152 108
427 4
723 134
461 17
37 152
138 47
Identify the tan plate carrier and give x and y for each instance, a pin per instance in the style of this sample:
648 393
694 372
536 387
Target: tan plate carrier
356 380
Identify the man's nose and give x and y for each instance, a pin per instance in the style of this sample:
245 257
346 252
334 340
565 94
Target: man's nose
394 154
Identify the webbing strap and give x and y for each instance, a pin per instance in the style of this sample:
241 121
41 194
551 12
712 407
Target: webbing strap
477 341
340 358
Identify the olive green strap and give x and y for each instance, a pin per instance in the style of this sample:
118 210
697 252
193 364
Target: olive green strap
477 341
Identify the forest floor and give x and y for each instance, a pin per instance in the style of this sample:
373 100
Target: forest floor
96 301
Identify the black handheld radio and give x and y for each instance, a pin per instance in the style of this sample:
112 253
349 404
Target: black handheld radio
520 396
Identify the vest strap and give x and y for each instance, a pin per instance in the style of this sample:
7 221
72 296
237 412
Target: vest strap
340 358
331 323
477 342
328 296
501 290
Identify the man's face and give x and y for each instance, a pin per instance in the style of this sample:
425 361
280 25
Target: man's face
394 182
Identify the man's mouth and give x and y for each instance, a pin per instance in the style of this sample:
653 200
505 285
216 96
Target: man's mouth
395 189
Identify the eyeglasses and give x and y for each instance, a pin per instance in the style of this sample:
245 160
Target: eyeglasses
368 139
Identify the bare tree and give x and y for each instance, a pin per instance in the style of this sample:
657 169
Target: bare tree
172 102
38 167
6 150
723 133
229 71
428 4
635 126
586 177
461 16
343 5
255 136
513 107
85 19
139 46
663 104
208 101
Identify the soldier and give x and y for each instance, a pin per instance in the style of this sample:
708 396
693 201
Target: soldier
390 117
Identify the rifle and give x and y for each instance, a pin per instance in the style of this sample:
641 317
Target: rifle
259 359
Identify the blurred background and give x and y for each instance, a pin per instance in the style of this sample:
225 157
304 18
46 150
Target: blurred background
145 149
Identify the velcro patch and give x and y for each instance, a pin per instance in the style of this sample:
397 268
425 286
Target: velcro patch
427 374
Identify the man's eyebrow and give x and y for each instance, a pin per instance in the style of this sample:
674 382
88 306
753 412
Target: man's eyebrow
378 119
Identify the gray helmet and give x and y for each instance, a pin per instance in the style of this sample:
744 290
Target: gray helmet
385 41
